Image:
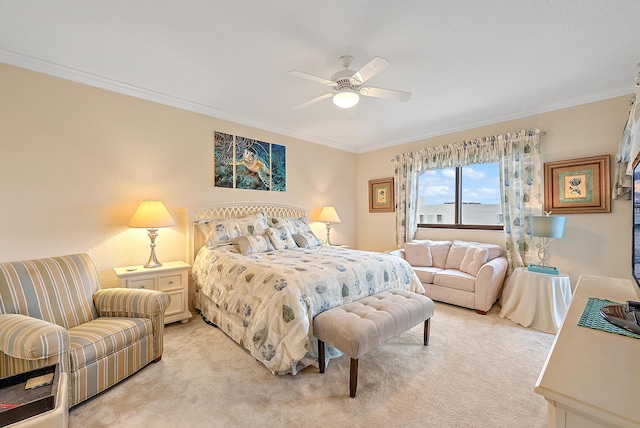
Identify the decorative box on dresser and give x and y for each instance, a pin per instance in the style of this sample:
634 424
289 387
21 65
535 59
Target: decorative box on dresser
171 277
591 377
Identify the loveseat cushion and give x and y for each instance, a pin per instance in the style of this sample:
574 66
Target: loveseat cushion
456 254
94 340
439 251
456 279
474 258
418 253
493 250
425 273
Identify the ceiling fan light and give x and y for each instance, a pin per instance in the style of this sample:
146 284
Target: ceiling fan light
346 99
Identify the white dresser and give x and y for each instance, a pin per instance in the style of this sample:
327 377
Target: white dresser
592 378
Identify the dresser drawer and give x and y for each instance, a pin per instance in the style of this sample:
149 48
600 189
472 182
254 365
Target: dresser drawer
148 283
169 282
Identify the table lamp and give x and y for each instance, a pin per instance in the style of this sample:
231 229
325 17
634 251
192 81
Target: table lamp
546 227
329 215
152 215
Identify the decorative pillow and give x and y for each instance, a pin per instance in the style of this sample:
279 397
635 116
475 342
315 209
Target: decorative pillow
473 259
253 224
281 238
254 244
456 254
295 225
219 231
306 240
418 253
494 250
439 251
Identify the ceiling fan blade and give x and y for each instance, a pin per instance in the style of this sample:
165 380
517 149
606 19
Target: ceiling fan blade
388 94
314 100
375 66
312 77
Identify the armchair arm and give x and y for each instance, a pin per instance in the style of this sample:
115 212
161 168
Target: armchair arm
130 302
31 338
489 283
136 303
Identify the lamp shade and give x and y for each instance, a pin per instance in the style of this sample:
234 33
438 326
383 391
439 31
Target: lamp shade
151 215
547 226
329 215
346 99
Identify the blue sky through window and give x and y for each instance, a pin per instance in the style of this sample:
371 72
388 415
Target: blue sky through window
480 184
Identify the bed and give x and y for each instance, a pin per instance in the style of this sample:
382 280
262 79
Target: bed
261 278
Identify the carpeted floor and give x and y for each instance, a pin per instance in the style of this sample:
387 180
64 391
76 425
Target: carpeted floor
478 371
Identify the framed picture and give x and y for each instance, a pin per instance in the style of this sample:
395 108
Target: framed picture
577 186
381 197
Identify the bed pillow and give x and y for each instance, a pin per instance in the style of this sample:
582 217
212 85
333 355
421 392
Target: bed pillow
219 231
473 260
254 244
295 225
306 240
418 253
281 239
253 224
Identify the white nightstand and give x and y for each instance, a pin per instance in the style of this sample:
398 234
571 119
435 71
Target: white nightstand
171 277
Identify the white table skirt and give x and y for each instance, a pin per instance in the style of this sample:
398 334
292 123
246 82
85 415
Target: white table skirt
536 300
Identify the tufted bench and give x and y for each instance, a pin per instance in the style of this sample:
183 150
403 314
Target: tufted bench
358 327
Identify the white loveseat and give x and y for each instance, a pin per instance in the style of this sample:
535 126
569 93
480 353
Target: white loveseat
468 274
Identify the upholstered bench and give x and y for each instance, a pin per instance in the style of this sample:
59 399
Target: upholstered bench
358 327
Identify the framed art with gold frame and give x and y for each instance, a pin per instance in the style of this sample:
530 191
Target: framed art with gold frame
381 195
577 186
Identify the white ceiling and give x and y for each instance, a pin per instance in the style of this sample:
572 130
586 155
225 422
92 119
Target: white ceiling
467 63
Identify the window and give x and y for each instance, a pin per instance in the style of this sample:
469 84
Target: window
463 197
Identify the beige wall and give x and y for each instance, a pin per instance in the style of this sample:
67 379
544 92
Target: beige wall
593 243
75 161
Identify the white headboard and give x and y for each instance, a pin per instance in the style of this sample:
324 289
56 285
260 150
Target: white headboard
234 209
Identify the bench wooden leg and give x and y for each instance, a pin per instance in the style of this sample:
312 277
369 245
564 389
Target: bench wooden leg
427 329
353 378
321 355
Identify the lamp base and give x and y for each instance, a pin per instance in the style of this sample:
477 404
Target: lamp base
543 269
153 260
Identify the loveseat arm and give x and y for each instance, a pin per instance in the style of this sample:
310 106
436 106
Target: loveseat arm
28 343
398 252
135 303
489 283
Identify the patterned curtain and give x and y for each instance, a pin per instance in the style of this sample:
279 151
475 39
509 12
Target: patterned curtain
521 184
627 151
520 176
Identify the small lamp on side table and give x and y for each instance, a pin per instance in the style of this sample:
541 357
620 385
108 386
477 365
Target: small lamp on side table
152 215
546 227
329 215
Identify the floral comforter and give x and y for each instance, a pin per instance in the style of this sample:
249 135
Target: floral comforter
275 295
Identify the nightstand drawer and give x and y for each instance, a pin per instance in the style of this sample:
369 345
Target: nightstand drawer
176 304
148 283
170 282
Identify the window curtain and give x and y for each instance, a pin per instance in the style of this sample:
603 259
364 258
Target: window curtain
628 150
521 181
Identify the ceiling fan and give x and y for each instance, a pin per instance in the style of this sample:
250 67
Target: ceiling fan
347 84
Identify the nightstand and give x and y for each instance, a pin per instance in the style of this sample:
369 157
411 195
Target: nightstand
171 277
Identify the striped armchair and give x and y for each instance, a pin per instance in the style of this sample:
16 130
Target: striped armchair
53 310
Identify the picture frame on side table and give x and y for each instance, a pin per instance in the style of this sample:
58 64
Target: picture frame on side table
578 186
381 195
